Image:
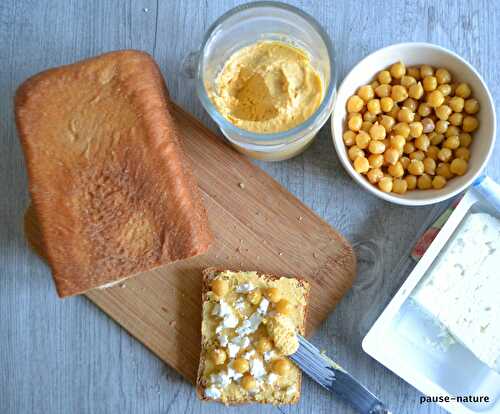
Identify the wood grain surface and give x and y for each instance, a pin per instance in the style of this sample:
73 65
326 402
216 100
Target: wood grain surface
62 357
257 225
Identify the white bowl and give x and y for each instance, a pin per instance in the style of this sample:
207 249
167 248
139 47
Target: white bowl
416 54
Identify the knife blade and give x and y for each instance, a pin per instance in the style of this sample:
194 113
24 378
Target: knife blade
331 376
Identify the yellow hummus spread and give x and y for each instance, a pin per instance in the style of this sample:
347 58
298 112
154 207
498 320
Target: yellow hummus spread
267 87
283 333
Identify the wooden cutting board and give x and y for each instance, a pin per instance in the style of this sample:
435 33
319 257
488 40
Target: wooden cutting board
258 225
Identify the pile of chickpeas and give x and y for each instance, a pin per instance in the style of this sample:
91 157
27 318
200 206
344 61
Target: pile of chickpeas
411 128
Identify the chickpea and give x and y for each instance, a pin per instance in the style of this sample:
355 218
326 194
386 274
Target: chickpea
462 153
369 117
463 90
416 91
376 160
384 77
452 142
397 70
362 139
399 186
443 76
405 115
432 152
263 345
456 119
373 106
407 81
416 167
283 306
355 122
438 182
452 130
377 132
471 106
459 166
218 356
424 182
435 99
387 122
429 83
398 142
422 142
441 126
424 109
220 287
273 294
365 126
435 138
443 169
374 175
281 366
416 129
405 161
376 147
402 128
427 125
465 139
353 153
349 138
445 89
469 124
414 72
408 148
383 91
396 170
411 182
385 184
366 93
444 155
254 296
361 165
394 111
429 166
391 156
374 84
355 104
456 104
399 93
443 112
426 70
248 383
386 103
417 155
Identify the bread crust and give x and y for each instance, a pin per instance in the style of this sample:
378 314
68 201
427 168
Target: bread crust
208 275
110 184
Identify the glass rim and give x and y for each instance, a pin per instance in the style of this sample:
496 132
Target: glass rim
249 136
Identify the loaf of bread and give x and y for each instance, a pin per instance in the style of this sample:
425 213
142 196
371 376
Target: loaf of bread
242 359
111 187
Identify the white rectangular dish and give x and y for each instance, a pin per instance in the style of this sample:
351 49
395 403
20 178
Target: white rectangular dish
417 348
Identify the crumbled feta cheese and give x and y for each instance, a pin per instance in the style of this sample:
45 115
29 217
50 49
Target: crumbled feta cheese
230 321
271 378
263 305
219 329
222 309
292 389
232 349
212 392
257 368
240 304
232 372
244 287
242 341
249 354
269 355
221 379
223 340
250 325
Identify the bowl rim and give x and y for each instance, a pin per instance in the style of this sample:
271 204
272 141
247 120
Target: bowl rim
401 199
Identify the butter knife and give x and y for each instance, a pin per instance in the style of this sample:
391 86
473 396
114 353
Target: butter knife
331 376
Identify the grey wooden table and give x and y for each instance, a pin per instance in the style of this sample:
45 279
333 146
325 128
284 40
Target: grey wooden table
66 356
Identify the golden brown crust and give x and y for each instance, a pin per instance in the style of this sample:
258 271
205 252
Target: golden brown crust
208 275
110 184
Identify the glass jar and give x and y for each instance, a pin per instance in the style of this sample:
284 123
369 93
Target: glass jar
266 21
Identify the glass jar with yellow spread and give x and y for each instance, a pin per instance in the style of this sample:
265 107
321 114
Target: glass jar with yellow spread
265 75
